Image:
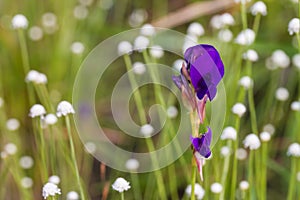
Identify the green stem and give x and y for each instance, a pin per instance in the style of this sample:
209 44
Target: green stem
42 150
193 180
291 190
244 15
225 170
136 186
122 196
264 170
250 174
251 103
24 51
256 23
67 120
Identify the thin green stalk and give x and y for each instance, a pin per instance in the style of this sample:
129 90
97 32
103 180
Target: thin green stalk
251 103
122 196
244 15
24 51
42 150
52 151
250 174
225 171
264 170
256 23
136 186
73 156
291 190
193 180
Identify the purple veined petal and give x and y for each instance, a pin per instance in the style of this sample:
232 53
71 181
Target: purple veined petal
201 108
202 144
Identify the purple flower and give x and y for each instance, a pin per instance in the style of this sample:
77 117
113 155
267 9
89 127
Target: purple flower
205 69
202 144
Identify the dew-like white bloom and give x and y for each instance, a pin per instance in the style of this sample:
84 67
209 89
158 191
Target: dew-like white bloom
245 37
124 47
241 154
282 94
26 182
54 179
137 17
147 130
86 2
80 12
294 150
195 29
36 77
50 189
225 151
251 141
199 191
156 51
12 124
19 21
90 147
229 133
172 112
265 136
295 106
49 22
26 162
259 8
246 82
280 59
139 68
77 48
64 108
244 185
269 128
242 1
178 64
239 109
121 185
37 110
147 30
50 119
225 35
251 55
141 43
216 22
1 102
216 188
10 148
132 164
227 19
35 33
296 61
294 26
72 195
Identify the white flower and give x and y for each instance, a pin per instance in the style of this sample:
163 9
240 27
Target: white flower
280 59
251 141
12 124
216 22
121 185
225 35
227 19
172 112
36 77
195 29
72 195
225 151
241 154
77 48
54 179
64 108
138 68
245 37
19 21
35 33
147 30
199 191
295 106
265 136
49 22
124 47
244 185
1 102
80 12
296 61
294 26
147 130
229 133
10 148
137 17
132 164
269 128
26 182
141 43
50 119
282 94
239 109
178 64
251 55
156 51
259 8
50 189
90 147
37 110
294 150
216 188
26 162
246 82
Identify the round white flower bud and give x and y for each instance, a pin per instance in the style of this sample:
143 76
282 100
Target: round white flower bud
54 179
72 195
12 124
225 35
246 82
216 188
265 136
252 142
199 191
269 128
216 22
132 164
147 130
35 33
37 110
239 109
295 106
244 185
64 108
50 189
50 119
280 59
138 68
147 30
141 43
282 94
121 185
294 26
172 112
227 19
178 64
241 154
124 47
225 151
294 150
296 61
156 51
10 148
229 133
245 37
259 8
80 12
77 48
26 182
19 21
26 162
195 29
251 55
